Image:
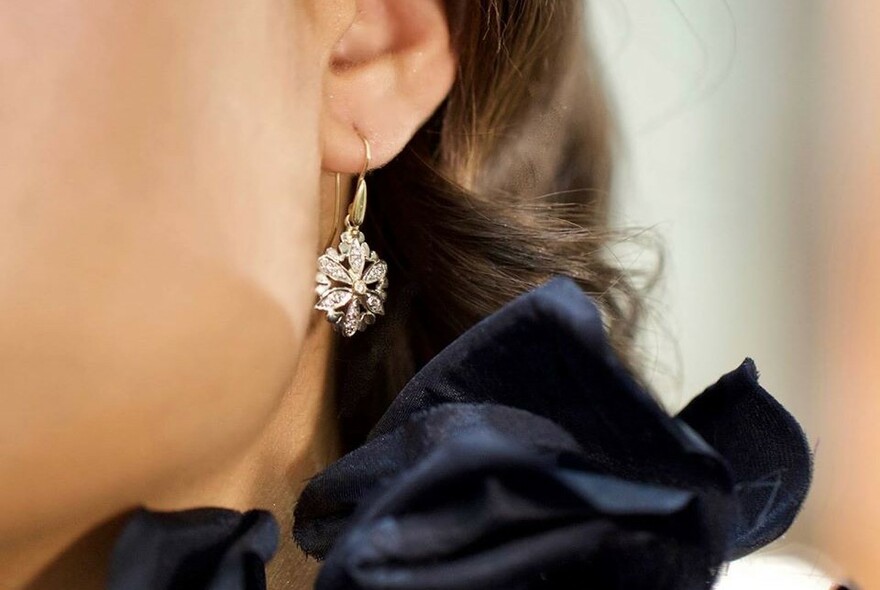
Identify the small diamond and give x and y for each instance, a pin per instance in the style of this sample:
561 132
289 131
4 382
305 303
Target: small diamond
333 299
356 260
351 283
374 303
351 321
333 269
376 272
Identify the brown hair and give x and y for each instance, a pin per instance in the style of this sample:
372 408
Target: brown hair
504 187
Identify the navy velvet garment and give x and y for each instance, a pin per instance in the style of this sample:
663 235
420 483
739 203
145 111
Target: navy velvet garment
523 456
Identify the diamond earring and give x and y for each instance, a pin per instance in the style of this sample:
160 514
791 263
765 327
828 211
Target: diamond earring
351 278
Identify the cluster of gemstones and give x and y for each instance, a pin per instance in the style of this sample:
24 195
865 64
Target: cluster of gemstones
351 284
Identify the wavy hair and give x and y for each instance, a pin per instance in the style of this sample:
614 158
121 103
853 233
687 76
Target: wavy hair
505 186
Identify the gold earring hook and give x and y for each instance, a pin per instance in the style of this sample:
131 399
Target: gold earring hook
358 208
335 212
368 156
361 188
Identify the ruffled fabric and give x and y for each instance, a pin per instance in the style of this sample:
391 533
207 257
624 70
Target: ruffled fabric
200 549
525 456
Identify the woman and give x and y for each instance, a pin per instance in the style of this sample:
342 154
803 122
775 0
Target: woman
171 173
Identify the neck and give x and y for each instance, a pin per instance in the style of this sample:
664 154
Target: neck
300 440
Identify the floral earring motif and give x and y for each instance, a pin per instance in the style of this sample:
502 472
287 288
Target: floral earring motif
351 279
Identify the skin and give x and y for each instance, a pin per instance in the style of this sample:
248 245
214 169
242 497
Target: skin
165 188
845 513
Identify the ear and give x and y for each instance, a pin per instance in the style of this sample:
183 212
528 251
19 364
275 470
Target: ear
387 74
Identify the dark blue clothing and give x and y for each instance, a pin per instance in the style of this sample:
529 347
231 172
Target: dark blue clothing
523 456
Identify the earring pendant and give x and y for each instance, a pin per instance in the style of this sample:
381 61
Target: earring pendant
351 280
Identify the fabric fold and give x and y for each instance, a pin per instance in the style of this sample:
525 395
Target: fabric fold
525 455
199 549
764 447
496 506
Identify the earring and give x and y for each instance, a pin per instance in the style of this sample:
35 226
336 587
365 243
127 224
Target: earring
351 278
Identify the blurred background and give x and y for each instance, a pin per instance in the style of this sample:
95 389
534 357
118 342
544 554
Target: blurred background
750 140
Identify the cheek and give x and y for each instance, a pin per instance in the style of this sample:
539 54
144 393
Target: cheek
205 112
257 107
249 87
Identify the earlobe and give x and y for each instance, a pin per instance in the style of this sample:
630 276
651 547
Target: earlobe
387 74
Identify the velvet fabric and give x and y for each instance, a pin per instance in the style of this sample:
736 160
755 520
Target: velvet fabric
205 548
523 456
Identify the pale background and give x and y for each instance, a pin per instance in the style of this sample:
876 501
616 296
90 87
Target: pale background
750 136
